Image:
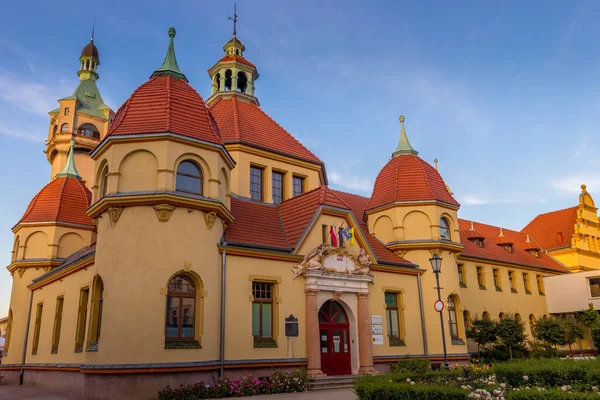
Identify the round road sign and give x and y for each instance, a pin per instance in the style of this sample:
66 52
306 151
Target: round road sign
438 305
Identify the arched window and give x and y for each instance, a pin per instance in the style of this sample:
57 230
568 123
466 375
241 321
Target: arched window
444 229
189 178
104 181
242 82
64 128
501 315
228 79
452 321
467 320
55 129
89 130
218 81
181 309
518 317
16 249
531 320
485 315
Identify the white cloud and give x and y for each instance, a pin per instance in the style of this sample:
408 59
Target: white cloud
351 181
571 184
33 134
486 199
29 96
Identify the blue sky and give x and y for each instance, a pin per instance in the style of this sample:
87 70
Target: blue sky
505 94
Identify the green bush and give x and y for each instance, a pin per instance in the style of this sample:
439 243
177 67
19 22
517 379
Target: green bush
410 366
548 373
376 388
548 395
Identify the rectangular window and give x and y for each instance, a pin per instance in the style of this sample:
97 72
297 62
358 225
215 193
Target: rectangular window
540 284
256 183
298 185
480 278
526 283
57 324
497 285
461 276
595 287
262 310
81 319
511 280
391 313
324 233
278 194
67 111
36 329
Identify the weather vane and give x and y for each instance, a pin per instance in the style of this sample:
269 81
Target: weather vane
234 19
93 29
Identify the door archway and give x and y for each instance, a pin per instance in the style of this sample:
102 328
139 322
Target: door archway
334 331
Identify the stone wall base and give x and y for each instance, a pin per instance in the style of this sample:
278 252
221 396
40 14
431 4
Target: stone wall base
123 386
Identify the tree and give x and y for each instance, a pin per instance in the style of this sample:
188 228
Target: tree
482 332
590 316
572 331
510 332
550 332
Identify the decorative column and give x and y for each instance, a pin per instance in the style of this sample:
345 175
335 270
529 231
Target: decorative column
313 350
365 345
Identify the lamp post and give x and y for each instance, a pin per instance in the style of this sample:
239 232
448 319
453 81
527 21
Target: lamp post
436 264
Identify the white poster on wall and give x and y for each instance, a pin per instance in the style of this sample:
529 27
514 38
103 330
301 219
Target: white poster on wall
377 339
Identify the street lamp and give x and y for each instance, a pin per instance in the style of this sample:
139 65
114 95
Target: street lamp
436 265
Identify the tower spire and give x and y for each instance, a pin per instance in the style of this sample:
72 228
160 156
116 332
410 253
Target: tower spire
93 29
69 170
169 66
234 19
404 146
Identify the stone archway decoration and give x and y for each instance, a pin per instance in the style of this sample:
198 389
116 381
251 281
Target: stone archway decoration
114 214
164 211
334 260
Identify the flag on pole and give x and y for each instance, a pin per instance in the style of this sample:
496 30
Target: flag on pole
333 236
349 232
341 236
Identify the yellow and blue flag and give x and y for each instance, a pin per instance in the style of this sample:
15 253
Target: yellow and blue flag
349 232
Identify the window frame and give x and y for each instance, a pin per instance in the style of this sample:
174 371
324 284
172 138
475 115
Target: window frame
64 128
180 309
511 281
462 276
84 295
452 322
445 227
497 279
58 313
37 327
199 177
525 277
540 284
589 279
260 301
481 278
389 310
282 186
302 185
260 183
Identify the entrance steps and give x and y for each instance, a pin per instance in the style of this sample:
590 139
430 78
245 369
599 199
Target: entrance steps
331 382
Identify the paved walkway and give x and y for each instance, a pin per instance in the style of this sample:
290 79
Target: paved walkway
12 392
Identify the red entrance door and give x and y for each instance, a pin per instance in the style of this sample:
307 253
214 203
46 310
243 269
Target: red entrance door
335 339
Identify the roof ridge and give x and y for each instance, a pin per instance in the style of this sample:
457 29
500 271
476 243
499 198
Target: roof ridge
322 194
236 119
168 103
283 226
420 161
337 197
351 194
286 131
125 107
492 226
60 204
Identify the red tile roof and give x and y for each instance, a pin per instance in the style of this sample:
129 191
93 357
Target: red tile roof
357 205
62 200
545 228
166 104
492 251
407 177
256 224
236 58
297 212
259 224
245 122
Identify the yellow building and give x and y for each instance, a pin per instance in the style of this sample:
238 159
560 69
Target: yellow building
180 239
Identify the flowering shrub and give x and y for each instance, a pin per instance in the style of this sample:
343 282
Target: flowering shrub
277 382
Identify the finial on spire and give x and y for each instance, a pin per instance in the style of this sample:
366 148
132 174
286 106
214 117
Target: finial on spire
93 29
501 234
404 146
435 161
527 241
234 19
69 170
169 65
472 227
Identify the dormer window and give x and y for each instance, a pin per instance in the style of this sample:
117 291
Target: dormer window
508 247
444 229
478 242
474 236
534 252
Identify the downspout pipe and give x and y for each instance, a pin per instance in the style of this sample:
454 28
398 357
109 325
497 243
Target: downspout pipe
22 373
423 328
223 287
